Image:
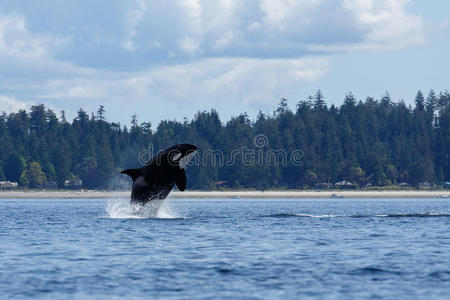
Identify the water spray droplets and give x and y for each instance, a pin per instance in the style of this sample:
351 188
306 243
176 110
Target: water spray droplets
122 209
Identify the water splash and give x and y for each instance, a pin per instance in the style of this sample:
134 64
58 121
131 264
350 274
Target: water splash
123 209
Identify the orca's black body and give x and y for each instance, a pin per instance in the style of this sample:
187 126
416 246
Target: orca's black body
155 180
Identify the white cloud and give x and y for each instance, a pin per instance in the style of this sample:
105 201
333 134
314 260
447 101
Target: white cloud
208 78
224 41
189 45
10 104
71 88
129 46
193 8
17 42
279 14
294 28
133 18
194 29
388 24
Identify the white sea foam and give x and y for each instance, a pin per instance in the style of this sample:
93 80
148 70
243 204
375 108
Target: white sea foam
406 215
123 209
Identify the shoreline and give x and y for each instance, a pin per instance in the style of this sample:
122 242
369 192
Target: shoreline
88 194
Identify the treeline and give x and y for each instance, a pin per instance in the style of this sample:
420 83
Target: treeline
372 141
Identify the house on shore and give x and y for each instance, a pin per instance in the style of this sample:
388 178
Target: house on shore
73 183
8 185
344 184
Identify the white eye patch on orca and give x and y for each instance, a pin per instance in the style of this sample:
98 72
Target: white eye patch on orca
184 161
177 156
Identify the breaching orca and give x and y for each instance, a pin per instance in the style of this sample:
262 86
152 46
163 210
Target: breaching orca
155 180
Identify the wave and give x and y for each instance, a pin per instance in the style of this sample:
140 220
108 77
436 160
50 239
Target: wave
123 209
287 215
414 215
408 215
373 270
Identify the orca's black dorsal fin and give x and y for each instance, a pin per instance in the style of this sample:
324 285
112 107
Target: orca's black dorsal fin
180 179
133 173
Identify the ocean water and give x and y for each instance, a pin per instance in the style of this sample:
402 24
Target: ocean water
225 248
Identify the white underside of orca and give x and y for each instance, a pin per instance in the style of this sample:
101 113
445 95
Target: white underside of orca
185 160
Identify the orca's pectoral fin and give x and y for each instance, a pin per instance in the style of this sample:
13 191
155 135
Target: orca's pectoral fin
180 179
133 173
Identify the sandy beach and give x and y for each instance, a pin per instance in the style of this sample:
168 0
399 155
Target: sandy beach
231 194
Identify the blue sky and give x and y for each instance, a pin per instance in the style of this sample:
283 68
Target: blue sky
170 59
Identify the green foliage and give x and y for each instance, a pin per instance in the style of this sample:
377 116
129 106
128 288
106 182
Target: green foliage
14 166
49 170
34 176
23 180
87 170
62 160
373 141
38 119
101 113
319 101
420 101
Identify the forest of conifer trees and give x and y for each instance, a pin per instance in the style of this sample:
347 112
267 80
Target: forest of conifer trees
374 142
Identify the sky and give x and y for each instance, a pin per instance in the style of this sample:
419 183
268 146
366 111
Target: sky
170 59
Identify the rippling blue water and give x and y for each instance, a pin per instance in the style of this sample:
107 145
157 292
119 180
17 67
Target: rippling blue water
222 248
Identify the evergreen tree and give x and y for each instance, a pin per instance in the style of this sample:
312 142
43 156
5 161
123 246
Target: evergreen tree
38 119
282 107
62 160
134 122
420 101
14 166
101 113
319 101
431 104
63 116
